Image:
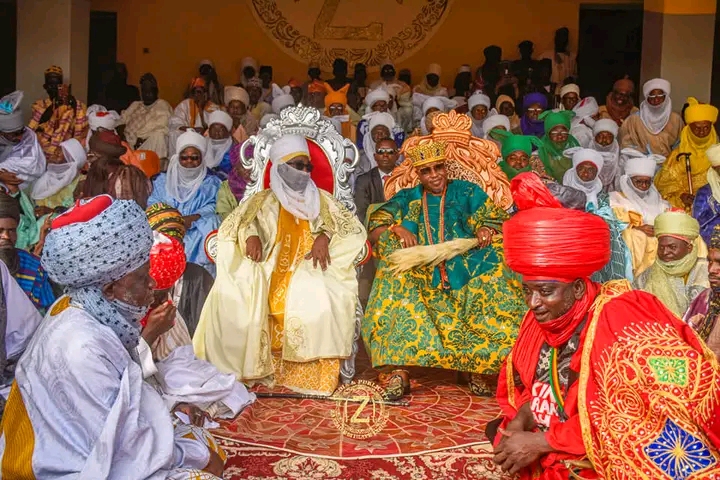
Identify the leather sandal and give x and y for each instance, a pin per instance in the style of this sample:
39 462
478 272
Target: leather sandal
396 386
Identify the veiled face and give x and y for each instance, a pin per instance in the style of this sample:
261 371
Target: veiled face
550 300
671 249
190 157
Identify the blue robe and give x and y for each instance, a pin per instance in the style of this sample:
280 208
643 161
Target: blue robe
706 210
203 204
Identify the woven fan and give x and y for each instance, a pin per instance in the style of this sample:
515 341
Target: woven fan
421 255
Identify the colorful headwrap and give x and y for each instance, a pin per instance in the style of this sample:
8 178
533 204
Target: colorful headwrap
715 238
529 191
167 261
700 112
167 220
54 70
336 96
197 82
553 119
556 244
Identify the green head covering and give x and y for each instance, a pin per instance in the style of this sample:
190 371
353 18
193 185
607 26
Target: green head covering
553 119
513 143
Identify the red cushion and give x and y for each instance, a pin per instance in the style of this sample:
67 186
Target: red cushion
83 211
322 173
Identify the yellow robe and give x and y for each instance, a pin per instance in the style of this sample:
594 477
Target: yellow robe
282 321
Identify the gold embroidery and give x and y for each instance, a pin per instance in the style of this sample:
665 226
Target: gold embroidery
337 219
325 31
242 216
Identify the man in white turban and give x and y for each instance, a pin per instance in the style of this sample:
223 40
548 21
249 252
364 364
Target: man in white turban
245 124
655 128
99 118
282 309
605 141
378 100
21 157
220 144
586 112
569 96
637 203
478 111
79 406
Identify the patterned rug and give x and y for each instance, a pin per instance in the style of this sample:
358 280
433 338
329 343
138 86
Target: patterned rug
255 463
441 415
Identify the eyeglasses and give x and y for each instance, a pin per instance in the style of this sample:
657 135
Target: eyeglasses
299 165
559 134
194 158
642 183
386 151
654 97
535 110
439 167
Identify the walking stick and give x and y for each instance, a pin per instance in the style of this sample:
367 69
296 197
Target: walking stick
302 396
688 169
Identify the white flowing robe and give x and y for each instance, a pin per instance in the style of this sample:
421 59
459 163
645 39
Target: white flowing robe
180 118
148 122
80 409
234 331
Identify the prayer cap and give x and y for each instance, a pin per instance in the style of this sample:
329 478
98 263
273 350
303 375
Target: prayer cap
167 220
434 102
236 93
435 69
288 147
556 244
656 84
218 116
478 99
553 119
282 101
54 70
11 119
9 207
191 139
677 224
606 125
569 88
494 121
336 96
167 261
377 95
96 242
713 155
380 118
700 112
427 153
643 166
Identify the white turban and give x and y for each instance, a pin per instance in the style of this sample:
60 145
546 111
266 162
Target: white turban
206 62
493 121
181 182
103 119
649 202
605 125
433 102
584 110
656 84
713 155
281 102
478 99
267 118
294 189
74 152
571 178
59 175
374 119
582 155
218 116
11 119
641 167
570 88
377 95
236 93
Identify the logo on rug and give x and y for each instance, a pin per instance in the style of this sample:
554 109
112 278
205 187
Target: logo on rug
360 410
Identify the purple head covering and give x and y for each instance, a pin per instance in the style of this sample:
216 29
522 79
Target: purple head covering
528 126
236 182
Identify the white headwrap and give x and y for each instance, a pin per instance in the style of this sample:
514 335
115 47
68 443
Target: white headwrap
206 62
427 102
294 189
377 95
282 101
181 183
656 117
649 203
493 121
571 179
584 111
11 119
236 93
99 117
713 155
374 119
570 88
610 153
475 100
218 148
60 175
713 178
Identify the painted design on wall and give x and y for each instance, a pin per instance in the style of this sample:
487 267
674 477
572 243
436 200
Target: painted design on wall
360 32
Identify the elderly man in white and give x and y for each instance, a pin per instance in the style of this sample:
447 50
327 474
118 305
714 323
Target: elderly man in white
282 309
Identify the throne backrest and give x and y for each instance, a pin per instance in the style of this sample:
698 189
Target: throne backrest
334 157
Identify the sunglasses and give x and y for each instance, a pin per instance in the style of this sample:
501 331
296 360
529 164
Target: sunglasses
653 97
386 151
535 110
440 167
308 167
194 158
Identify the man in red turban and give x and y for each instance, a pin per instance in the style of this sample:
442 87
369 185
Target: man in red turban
602 381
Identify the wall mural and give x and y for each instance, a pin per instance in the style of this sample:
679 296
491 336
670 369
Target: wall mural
360 31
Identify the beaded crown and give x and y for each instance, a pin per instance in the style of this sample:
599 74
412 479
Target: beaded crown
427 153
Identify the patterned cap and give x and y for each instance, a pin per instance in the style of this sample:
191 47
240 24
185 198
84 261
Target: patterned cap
427 153
167 261
54 70
167 220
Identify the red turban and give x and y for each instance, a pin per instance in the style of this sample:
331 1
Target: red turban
529 191
556 244
167 261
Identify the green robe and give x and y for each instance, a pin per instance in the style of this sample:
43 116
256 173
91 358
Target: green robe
466 322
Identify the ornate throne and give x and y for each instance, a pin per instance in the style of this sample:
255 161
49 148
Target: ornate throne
467 158
334 159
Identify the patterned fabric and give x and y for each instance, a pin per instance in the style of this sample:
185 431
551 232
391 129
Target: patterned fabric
620 265
461 316
150 123
64 124
167 220
87 255
34 281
